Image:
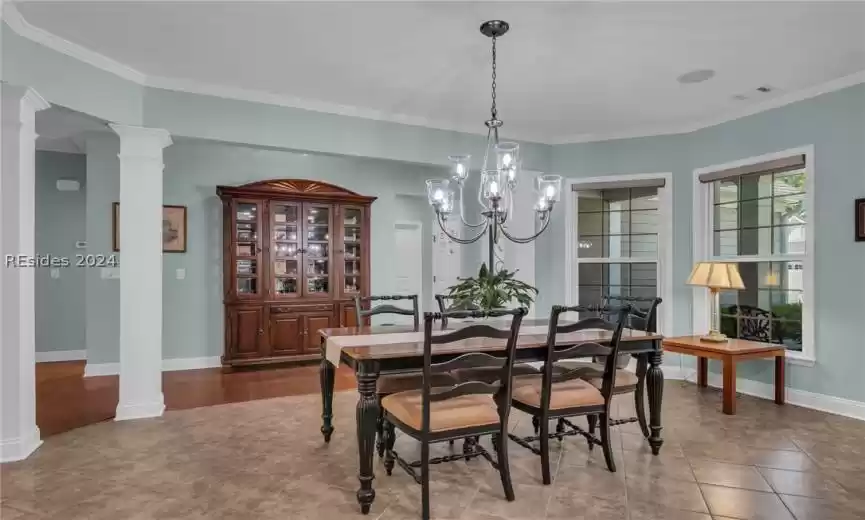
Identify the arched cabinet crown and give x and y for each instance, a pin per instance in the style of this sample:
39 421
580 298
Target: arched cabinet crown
295 254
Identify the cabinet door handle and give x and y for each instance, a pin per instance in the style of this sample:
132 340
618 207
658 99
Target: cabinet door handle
260 332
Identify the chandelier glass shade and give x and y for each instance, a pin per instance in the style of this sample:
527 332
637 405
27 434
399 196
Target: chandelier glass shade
499 177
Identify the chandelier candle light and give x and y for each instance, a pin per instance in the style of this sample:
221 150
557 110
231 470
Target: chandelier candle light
498 180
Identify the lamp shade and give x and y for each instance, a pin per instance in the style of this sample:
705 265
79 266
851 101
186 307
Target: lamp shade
716 275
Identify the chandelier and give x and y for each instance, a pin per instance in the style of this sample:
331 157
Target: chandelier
498 180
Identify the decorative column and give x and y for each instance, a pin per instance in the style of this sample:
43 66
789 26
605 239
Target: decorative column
140 224
19 435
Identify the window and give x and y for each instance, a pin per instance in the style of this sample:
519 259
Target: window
616 236
759 219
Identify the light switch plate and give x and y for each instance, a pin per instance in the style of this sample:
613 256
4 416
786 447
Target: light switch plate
55 273
180 274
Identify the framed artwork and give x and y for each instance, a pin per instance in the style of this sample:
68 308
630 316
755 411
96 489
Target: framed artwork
173 228
860 220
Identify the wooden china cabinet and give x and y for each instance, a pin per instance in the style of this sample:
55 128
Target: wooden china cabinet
295 253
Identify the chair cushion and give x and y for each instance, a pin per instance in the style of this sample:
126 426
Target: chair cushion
466 411
393 383
491 374
624 378
568 394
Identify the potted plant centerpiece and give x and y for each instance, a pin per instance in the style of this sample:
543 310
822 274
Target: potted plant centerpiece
491 290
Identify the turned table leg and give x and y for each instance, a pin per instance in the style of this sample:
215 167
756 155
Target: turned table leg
326 373
367 418
655 383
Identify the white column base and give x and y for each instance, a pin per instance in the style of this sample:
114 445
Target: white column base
126 412
18 448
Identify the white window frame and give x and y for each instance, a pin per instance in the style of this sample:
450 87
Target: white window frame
702 247
664 261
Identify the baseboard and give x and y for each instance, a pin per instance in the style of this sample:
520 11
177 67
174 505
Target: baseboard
53 356
803 398
19 448
168 365
140 410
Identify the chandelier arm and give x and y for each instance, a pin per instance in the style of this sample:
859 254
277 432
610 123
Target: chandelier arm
463 210
458 240
526 240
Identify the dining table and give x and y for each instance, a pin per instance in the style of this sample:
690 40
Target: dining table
388 349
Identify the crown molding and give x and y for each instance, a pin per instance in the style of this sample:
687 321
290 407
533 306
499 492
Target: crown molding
17 23
22 27
267 98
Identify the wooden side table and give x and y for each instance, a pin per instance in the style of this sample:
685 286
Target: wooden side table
731 352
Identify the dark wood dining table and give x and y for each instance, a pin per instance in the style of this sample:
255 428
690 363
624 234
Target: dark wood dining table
372 359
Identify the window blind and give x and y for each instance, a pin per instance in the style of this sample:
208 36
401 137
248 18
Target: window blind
794 162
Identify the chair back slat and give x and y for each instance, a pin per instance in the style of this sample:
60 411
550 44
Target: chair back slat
362 302
470 360
472 331
645 319
466 388
500 390
582 350
584 372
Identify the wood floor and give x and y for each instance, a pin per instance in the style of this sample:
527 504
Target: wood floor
65 399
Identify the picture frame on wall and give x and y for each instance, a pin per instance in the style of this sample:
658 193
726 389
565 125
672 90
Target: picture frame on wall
860 220
173 228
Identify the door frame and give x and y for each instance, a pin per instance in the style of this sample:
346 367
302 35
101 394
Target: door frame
665 239
419 225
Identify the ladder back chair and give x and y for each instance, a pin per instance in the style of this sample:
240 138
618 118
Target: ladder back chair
396 382
644 319
559 394
464 410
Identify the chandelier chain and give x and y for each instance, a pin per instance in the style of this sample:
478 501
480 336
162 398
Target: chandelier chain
493 110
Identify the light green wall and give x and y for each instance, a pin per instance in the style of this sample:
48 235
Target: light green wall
193 310
65 81
102 295
835 124
60 222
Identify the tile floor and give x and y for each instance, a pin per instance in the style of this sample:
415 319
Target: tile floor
266 459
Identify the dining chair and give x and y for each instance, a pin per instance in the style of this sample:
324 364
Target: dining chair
644 319
559 394
486 374
390 383
464 410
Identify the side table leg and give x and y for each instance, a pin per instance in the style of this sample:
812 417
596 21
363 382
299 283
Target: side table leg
367 418
702 372
326 374
729 407
655 383
780 391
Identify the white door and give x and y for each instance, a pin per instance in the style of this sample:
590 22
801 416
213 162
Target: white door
447 261
408 264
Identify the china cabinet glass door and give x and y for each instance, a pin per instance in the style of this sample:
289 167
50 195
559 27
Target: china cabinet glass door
352 266
247 252
317 229
285 236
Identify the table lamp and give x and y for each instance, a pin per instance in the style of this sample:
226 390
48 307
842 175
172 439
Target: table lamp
716 276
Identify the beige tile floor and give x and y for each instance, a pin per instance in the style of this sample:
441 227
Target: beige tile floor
266 459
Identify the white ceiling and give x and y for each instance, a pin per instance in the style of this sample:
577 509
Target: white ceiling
567 71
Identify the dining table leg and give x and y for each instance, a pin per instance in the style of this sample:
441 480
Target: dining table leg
367 418
655 380
326 374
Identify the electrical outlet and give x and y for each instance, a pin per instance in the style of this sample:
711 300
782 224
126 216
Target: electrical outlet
180 274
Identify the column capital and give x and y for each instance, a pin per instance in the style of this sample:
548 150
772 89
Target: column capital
141 141
28 96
